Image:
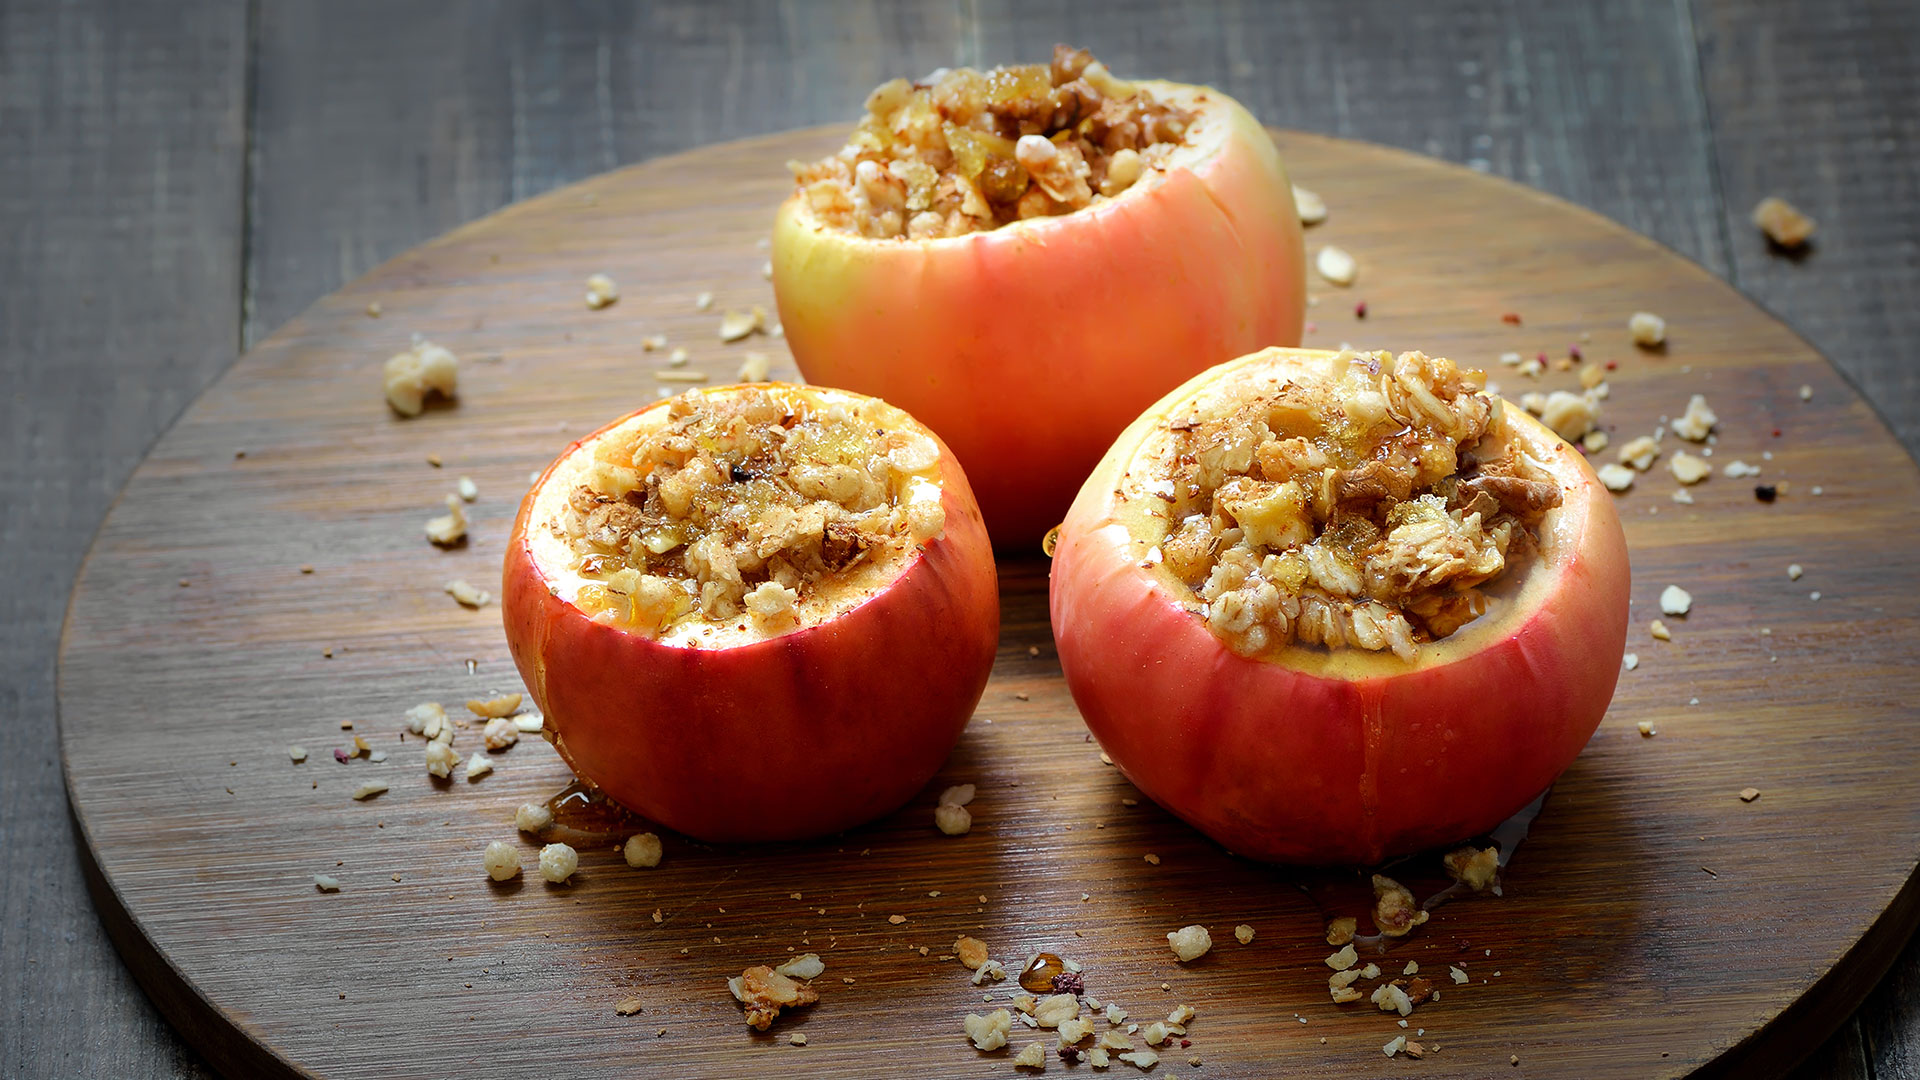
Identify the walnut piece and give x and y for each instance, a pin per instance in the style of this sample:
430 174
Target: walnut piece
422 370
765 992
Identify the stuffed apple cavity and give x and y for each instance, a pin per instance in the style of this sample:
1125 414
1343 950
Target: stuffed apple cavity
741 585
1331 606
1026 257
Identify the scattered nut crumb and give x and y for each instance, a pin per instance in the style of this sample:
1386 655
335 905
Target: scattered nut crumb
1749 794
971 951
1783 224
1689 469
529 723
765 992
643 850
478 766
601 291
1335 265
325 883
755 367
1639 452
1696 423
804 966
989 1032
1806 392
1345 958
468 596
532 818
504 705
629 1007
952 820
1243 933
1739 469
1312 208
1630 661
1646 729
798 1038
451 527
558 862
441 759
681 376
703 301
502 861
500 733
735 325
1474 867
1152 859
1033 1057
422 370
1658 630
297 753
368 790
467 489
1394 912
1190 942
374 309
1794 571
653 342
1649 330
1675 600
1616 477
896 919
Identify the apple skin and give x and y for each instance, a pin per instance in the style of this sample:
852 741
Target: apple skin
1028 348
795 736
1362 756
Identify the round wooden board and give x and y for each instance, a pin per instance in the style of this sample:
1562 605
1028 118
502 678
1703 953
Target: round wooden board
1653 924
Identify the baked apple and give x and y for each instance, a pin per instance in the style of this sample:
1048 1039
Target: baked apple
1330 607
754 612
1025 258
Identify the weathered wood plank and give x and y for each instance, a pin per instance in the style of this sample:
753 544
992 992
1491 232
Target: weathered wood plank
121 149
1816 103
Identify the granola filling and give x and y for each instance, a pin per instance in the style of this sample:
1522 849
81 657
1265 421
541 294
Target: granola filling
1363 501
740 513
969 151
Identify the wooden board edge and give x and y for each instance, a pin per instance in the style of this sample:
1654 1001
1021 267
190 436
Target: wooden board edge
223 1043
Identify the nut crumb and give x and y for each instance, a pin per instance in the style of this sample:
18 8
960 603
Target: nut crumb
1749 794
1152 859
466 595
421 371
755 367
1646 729
629 1007
532 818
1630 661
1649 330
971 951
798 1038
368 790
1335 265
502 861
1312 208
558 862
1243 933
642 850
601 291
325 883
952 819
765 992
1784 225
703 301
1675 600
1190 942
1689 469
478 766
451 527
504 705
1658 630
1616 477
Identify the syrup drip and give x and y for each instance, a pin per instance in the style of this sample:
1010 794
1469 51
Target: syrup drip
583 814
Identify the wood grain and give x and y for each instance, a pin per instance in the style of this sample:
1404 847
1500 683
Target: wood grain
1613 945
121 129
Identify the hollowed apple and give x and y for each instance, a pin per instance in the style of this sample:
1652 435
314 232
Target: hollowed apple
1325 615
754 613
1025 317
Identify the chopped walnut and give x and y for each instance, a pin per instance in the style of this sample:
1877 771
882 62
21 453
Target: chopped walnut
1616 477
558 862
804 966
504 705
1336 266
1649 331
952 820
1783 224
1190 942
478 766
502 861
1312 208
1360 504
765 992
970 151
499 733
422 370
451 527
1675 600
1689 469
532 818
1394 910
468 596
1474 867
643 851
601 291
972 952
745 501
1052 1010
1341 930
989 1032
1034 1056
1697 422
1243 934
1569 415
1639 452
441 759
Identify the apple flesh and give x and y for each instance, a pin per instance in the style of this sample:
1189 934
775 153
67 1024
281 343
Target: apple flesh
809 732
1339 756
1030 346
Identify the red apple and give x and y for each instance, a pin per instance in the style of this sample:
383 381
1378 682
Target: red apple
1306 754
1030 346
738 735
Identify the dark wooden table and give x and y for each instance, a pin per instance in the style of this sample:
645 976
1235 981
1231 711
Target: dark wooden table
177 180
